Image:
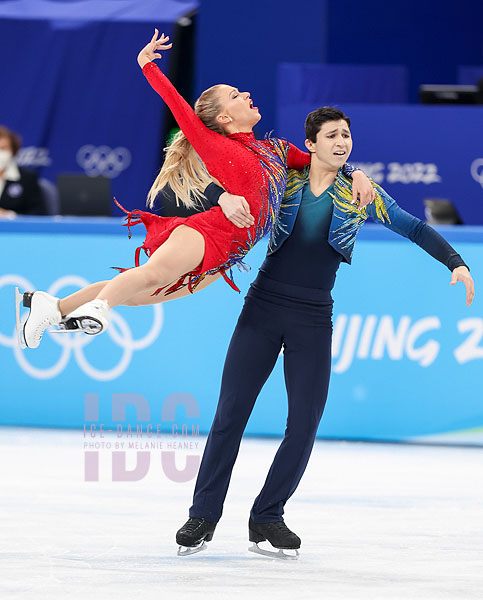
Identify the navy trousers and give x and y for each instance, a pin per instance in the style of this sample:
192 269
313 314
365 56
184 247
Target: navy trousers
275 315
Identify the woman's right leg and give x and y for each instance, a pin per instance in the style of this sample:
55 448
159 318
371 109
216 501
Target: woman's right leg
73 301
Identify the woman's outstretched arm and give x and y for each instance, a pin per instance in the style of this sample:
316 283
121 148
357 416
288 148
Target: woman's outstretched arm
207 143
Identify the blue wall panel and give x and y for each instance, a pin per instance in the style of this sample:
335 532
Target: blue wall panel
242 45
77 95
431 38
407 351
414 152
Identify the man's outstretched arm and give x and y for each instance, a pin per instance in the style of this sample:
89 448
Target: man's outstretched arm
428 239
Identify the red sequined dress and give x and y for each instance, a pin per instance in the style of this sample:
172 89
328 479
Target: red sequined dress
255 169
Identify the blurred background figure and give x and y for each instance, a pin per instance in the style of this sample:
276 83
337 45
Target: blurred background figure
20 192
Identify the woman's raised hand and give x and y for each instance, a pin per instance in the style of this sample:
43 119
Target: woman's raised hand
149 52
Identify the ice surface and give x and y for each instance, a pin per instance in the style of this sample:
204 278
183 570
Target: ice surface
376 521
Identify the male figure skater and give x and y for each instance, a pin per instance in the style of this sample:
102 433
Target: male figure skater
289 306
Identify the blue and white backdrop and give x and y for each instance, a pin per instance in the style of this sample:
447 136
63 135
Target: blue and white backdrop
407 352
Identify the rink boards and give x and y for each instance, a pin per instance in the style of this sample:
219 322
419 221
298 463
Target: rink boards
407 352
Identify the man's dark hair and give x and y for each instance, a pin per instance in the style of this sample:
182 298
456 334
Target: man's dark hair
15 140
317 118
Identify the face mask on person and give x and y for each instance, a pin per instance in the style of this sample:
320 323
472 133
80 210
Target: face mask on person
5 159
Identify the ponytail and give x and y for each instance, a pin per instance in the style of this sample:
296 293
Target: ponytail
183 169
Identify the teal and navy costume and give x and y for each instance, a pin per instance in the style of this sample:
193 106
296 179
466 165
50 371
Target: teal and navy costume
309 263
289 306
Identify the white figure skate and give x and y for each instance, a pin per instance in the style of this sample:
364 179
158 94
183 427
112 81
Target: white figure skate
44 313
91 318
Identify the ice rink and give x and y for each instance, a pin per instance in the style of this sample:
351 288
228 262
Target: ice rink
376 521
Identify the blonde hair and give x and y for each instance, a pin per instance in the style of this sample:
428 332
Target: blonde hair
183 169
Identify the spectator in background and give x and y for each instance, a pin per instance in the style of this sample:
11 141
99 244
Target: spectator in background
20 192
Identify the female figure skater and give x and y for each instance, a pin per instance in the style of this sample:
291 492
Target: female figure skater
186 251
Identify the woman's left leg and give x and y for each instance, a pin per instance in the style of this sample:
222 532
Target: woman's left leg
146 298
181 253
307 361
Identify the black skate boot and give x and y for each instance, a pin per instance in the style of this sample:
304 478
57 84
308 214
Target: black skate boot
278 534
193 535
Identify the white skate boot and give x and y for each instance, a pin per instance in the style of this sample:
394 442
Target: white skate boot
44 312
91 318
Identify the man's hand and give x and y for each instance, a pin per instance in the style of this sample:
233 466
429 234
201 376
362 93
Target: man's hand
462 274
236 209
149 52
361 186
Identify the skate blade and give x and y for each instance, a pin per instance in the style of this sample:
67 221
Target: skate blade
279 555
88 325
62 327
192 550
18 322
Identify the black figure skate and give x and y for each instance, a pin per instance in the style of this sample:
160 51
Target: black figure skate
193 536
278 534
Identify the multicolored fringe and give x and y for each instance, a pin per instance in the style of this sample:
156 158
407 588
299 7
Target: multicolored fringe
345 235
189 280
274 172
192 280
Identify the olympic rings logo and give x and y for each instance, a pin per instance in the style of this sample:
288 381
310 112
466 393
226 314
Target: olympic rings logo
103 160
119 332
477 170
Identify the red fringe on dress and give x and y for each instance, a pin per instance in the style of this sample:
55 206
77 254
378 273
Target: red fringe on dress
158 231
